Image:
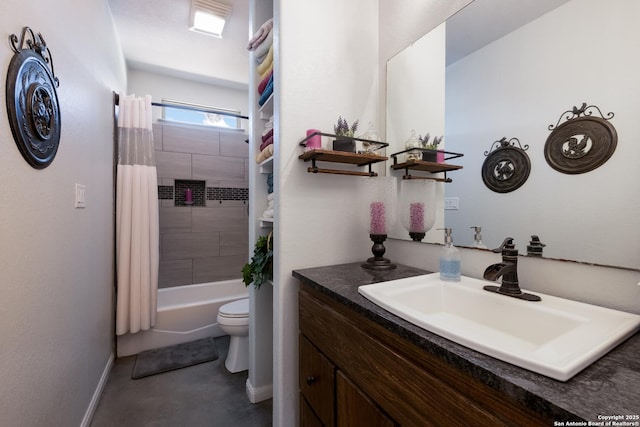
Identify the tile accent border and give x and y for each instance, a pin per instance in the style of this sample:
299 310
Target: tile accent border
227 193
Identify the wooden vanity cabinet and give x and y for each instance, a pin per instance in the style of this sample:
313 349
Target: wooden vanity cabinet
354 372
322 385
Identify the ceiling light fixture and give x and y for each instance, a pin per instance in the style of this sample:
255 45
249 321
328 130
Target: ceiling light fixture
208 17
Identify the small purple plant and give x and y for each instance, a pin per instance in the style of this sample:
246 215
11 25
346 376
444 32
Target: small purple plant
425 141
342 128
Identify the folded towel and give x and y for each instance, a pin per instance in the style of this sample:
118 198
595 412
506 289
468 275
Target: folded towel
264 82
270 197
265 143
268 125
267 74
270 181
268 213
260 35
266 62
267 92
265 154
267 134
262 50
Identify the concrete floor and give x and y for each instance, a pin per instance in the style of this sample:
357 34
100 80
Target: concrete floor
198 396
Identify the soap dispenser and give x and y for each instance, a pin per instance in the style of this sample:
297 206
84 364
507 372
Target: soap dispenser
449 259
477 239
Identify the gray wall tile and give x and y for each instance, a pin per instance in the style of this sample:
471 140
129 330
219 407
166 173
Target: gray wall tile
220 219
199 245
218 268
232 144
218 168
229 204
190 245
173 165
234 242
175 273
175 219
191 140
231 184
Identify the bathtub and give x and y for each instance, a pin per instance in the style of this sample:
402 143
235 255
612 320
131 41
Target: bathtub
185 313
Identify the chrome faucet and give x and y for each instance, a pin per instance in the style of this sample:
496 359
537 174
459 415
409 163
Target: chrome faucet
508 270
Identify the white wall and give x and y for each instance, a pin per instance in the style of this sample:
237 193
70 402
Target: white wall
56 308
522 92
161 86
328 67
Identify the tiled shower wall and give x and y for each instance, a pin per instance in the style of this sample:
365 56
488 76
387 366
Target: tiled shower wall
208 243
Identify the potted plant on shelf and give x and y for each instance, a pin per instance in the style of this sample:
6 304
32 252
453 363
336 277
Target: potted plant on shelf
260 269
435 155
344 135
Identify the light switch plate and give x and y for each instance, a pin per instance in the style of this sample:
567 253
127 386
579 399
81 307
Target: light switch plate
80 196
451 203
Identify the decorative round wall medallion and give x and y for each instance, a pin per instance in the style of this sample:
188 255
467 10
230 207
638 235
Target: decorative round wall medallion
507 167
582 143
32 102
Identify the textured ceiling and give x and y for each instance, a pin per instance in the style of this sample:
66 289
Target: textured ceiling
155 37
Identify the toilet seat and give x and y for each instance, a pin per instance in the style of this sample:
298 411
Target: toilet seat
235 310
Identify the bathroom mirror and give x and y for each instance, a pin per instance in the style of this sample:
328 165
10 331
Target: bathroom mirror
514 81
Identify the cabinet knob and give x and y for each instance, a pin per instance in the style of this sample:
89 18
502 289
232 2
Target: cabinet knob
311 379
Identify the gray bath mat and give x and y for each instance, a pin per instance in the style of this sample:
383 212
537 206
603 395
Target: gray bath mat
159 360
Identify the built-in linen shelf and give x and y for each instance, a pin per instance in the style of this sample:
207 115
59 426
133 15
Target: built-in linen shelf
266 110
266 222
266 166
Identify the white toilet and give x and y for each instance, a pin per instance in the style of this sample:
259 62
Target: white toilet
233 319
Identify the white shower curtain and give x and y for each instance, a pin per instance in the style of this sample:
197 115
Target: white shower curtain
137 227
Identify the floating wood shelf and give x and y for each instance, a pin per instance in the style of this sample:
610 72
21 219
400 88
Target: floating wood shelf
341 157
424 165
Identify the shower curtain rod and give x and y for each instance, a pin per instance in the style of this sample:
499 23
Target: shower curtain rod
116 101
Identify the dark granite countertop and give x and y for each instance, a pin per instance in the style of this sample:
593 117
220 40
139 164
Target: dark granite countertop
609 387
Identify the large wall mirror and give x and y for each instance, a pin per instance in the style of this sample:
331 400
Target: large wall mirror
510 70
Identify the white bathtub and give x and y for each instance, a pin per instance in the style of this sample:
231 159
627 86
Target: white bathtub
185 313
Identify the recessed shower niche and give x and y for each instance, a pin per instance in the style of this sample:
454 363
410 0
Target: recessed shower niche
189 193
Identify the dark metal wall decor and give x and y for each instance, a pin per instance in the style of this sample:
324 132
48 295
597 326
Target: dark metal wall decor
507 166
32 101
583 142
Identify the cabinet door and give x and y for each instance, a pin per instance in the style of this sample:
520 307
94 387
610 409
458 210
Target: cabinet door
354 408
317 383
307 417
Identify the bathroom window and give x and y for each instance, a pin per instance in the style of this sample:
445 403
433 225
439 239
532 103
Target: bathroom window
186 112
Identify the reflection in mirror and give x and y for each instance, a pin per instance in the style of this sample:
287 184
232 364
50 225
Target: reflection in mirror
414 105
517 85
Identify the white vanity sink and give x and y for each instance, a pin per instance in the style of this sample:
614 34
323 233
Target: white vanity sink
555 337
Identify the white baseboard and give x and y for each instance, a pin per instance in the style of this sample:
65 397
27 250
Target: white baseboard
88 415
259 394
